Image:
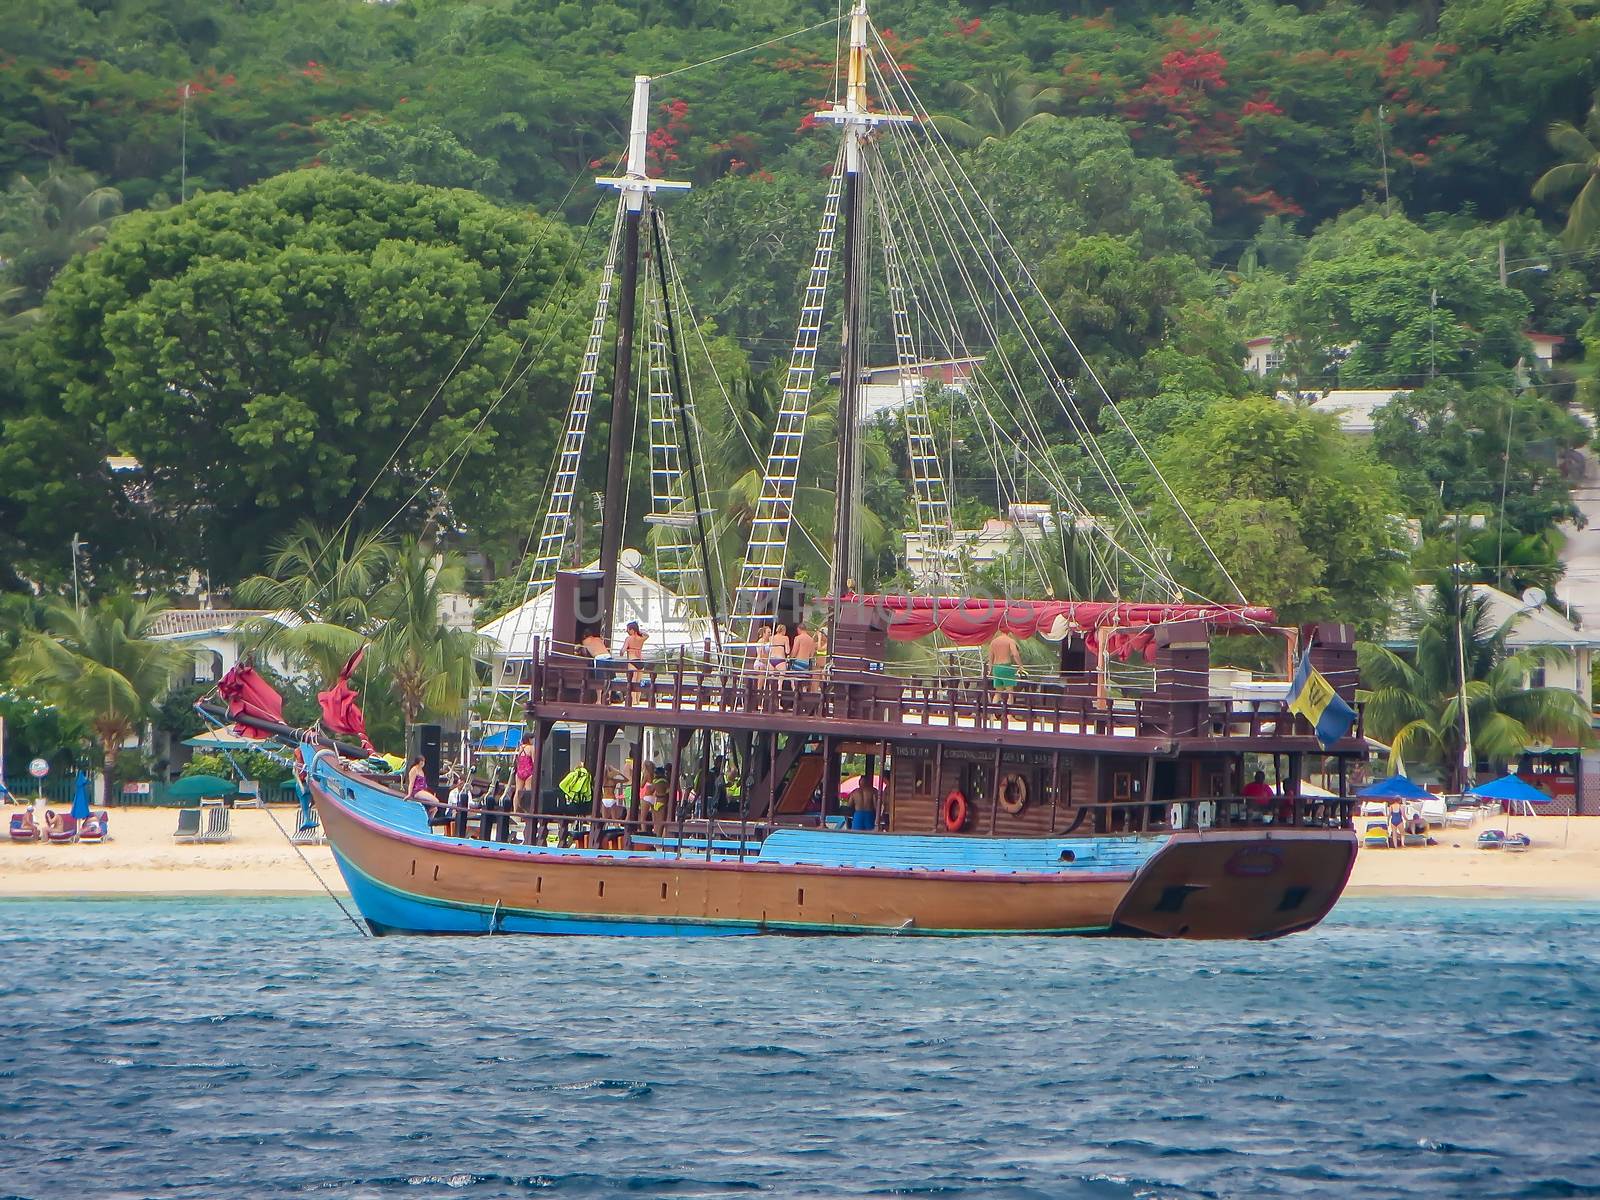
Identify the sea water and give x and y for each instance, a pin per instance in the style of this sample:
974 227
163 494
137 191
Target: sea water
261 1048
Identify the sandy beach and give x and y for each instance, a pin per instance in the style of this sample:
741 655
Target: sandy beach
141 859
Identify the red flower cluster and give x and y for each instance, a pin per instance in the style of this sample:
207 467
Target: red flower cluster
968 28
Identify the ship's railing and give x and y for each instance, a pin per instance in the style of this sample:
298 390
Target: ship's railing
1065 704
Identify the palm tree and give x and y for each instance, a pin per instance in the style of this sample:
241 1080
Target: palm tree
1414 703
100 665
1580 173
319 589
996 106
429 666
44 224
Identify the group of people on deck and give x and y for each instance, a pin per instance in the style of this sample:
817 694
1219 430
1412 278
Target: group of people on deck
778 656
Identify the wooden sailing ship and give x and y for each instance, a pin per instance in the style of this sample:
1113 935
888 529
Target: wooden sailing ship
1060 805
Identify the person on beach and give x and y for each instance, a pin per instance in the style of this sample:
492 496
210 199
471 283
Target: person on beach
1005 657
1397 824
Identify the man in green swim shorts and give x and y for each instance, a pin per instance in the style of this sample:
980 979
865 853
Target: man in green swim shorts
1004 659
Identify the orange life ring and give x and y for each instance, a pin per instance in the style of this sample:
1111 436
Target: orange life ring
1014 793
954 811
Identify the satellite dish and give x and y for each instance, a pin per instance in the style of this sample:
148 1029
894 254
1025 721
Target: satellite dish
1533 598
632 559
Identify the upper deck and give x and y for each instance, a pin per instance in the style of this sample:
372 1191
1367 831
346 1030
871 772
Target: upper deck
1057 712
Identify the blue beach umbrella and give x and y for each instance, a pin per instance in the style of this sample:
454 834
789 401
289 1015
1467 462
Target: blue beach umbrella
80 797
1396 787
1510 787
507 739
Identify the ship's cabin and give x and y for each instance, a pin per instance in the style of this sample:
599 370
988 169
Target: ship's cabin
708 741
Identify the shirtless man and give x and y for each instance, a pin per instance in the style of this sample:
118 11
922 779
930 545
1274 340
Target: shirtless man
1004 659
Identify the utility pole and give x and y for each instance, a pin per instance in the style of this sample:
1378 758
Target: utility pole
1383 155
183 149
1502 262
77 545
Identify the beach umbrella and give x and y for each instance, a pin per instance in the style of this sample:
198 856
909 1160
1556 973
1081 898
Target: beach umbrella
852 785
222 739
1510 787
505 739
80 797
1396 787
202 787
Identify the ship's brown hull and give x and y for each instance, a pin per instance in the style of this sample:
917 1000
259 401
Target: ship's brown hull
1227 885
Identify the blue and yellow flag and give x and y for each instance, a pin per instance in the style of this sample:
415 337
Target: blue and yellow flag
1312 697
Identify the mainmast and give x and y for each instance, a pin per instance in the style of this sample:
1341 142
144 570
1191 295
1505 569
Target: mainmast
857 121
636 188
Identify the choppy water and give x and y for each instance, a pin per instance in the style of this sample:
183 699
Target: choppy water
232 1048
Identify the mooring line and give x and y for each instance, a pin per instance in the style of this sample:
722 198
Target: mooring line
293 845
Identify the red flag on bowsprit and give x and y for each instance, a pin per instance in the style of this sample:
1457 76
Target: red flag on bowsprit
249 695
340 711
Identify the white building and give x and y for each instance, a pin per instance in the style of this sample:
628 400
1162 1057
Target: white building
887 389
668 623
1356 408
1263 355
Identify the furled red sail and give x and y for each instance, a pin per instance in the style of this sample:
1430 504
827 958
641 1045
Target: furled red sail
1128 628
249 695
341 713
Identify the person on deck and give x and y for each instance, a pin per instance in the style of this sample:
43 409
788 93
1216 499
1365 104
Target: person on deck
1005 657
417 782
762 654
1258 791
804 651
778 650
605 664
864 809
633 650
522 776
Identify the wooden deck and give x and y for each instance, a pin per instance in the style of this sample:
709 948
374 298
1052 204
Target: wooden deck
877 705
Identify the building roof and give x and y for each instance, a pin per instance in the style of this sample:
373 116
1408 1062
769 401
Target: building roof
1543 626
1356 408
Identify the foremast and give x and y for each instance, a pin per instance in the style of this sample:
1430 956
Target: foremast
635 188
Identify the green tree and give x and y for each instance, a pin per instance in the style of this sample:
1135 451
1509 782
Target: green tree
319 340
996 106
420 153
1381 302
1060 176
44 223
100 665
1577 175
429 667
1481 450
1413 701
319 591
1300 516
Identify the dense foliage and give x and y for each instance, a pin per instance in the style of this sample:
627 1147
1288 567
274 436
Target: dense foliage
228 255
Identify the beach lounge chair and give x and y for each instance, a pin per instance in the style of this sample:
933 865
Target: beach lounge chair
215 822
308 832
1491 839
1517 842
60 828
1376 837
92 829
249 794
1436 811
188 825
23 827
1462 818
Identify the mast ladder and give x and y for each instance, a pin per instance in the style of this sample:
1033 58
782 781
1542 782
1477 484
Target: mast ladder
932 500
558 517
766 552
671 517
